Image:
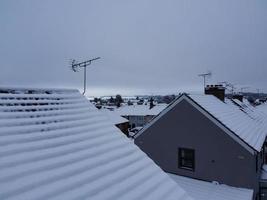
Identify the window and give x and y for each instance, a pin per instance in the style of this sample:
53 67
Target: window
186 159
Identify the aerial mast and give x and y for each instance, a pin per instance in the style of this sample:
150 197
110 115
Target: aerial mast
204 76
229 85
75 66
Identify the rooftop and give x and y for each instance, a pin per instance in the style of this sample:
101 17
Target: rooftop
114 117
246 124
140 110
244 121
54 144
203 190
262 108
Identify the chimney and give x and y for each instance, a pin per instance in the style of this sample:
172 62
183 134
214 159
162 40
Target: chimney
216 90
151 104
238 97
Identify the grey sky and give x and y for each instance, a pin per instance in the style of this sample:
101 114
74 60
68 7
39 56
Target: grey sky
146 46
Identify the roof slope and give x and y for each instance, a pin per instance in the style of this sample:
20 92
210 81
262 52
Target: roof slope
140 110
55 145
246 123
262 108
203 190
114 117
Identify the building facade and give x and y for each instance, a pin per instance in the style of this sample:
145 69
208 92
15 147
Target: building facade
187 139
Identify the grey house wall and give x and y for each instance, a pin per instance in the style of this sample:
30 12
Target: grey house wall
217 156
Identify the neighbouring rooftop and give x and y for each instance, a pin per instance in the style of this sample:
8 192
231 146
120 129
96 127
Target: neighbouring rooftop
54 144
240 118
203 190
114 117
243 120
140 110
262 108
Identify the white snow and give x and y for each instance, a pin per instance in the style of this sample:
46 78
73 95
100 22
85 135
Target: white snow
246 122
262 108
56 145
203 190
114 117
140 110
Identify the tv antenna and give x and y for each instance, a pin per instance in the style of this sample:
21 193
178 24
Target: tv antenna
229 85
204 76
243 88
258 91
75 66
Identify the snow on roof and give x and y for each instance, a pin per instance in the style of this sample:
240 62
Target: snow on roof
140 110
262 108
114 117
248 125
203 190
250 110
57 145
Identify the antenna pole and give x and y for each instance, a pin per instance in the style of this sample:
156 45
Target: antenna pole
84 80
83 65
204 78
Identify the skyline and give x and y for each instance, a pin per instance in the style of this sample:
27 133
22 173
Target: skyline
146 47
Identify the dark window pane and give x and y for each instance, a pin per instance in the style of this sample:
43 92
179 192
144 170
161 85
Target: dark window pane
186 158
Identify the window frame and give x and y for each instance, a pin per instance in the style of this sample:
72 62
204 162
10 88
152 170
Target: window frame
181 158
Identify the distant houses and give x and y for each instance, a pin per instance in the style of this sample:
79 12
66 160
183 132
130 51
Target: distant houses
134 112
139 115
211 138
54 144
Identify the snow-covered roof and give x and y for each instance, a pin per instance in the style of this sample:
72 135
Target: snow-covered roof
203 190
241 121
255 114
54 144
140 110
246 123
114 117
262 108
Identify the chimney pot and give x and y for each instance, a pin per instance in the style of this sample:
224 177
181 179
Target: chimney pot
216 90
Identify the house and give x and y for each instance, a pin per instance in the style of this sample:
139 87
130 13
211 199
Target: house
54 144
208 137
139 115
120 122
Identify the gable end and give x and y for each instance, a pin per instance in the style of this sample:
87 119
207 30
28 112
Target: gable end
206 114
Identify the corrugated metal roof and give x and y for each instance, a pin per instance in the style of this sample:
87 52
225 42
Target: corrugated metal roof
56 145
203 190
245 122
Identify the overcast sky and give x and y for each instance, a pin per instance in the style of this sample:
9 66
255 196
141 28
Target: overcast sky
146 46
